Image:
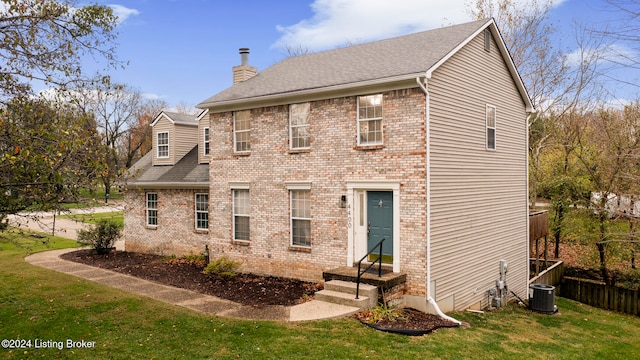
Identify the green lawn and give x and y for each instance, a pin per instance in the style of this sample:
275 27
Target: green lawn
92 218
41 304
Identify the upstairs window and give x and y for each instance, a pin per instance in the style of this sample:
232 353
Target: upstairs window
299 126
202 211
152 209
163 144
206 141
370 120
491 127
242 131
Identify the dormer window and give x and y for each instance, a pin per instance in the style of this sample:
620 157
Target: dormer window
163 145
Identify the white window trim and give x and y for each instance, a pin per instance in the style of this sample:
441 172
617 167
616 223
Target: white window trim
381 142
291 127
147 208
196 211
298 185
233 213
235 132
292 218
206 134
494 127
158 145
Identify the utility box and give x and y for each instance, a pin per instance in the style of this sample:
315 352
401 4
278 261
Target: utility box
542 298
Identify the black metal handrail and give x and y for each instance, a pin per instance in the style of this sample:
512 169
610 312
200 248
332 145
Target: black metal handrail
379 260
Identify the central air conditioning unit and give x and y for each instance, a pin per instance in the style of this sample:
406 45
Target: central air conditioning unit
542 298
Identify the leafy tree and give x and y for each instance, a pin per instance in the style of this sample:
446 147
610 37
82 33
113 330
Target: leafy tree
609 151
45 40
47 152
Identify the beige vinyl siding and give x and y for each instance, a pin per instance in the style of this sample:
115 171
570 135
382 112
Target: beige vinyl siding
478 196
185 138
204 123
163 125
182 138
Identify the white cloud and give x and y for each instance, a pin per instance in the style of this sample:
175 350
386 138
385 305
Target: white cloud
339 22
336 22
611 53
152 96
123 12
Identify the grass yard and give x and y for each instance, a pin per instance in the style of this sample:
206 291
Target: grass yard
41 304
92 218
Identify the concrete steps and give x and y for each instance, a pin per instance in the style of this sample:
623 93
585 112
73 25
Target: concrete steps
344 293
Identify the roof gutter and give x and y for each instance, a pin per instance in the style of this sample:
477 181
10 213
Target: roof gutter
390 83
167 185
425 88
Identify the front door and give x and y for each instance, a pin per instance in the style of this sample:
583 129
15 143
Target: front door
380 224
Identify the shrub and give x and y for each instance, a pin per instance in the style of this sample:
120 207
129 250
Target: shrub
101 237
223 266
192 259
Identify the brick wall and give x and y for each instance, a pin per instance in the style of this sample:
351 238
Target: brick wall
175 233
333 159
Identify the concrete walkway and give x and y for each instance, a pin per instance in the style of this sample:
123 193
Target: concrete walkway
44 222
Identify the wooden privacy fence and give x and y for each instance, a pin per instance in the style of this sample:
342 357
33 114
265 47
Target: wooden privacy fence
597 294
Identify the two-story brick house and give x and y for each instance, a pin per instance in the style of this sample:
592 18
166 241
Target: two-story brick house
420 140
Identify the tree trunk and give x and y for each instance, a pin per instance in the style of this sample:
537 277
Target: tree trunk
107 189
603 263
557 229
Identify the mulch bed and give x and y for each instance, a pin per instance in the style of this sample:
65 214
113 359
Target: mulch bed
246 289
410 322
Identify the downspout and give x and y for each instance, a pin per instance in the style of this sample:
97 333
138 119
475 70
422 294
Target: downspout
425 88
530 113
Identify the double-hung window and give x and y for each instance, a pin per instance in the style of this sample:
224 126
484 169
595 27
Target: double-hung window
300 218
370 120
241 228
202 211
242 131
491 127
205 141
152 209
299 126
163 144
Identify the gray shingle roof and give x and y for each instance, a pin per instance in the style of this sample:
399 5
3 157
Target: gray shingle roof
405 56
178 118
185 172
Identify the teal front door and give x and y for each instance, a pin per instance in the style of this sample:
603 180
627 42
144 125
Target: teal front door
380 224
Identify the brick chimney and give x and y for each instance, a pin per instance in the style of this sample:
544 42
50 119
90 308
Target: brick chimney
243 71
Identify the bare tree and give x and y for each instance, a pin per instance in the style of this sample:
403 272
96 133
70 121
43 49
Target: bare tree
137 140
122 116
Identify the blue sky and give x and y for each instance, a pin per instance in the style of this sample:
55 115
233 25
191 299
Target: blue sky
182 51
